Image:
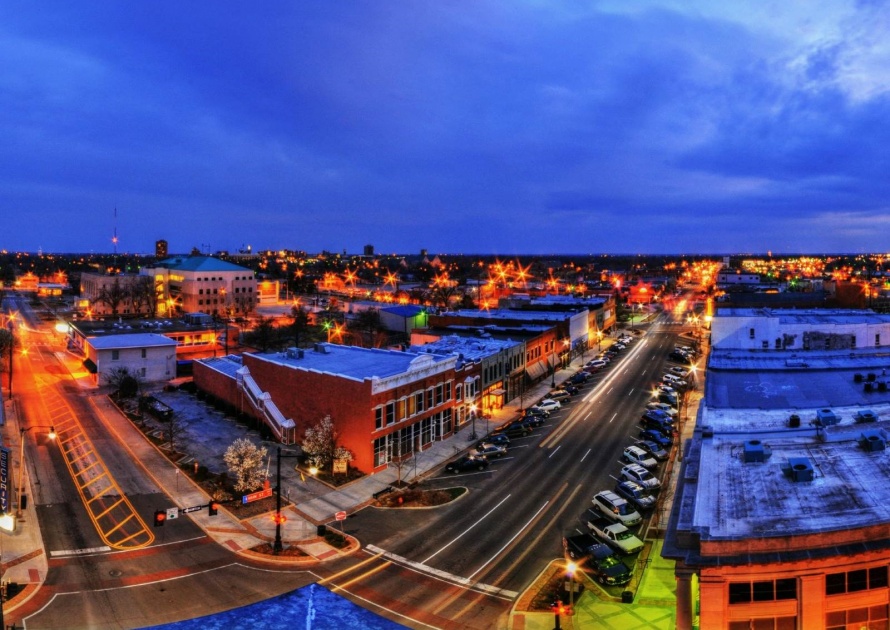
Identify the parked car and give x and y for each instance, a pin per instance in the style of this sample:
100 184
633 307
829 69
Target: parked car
601 563
489 450
662 426
636 495
571 389
667 398
558 395
657 437
638 474
548 405
535 411
653 448
579 378
499 439
680 357
615 508
514 428
656 415
636 455
678 371
468 462
533 420
618 347
659 406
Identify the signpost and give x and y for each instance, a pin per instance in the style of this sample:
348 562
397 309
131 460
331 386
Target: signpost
4 480
340 516
256 496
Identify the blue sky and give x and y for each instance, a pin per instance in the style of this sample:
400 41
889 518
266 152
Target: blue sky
503 127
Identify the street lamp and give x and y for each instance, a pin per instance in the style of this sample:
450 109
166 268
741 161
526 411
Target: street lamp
22 430
473 435
571 567
277 546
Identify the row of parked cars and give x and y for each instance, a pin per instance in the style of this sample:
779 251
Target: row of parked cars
616 511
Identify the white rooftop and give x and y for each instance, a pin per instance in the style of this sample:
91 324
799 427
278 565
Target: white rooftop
472 348
134 340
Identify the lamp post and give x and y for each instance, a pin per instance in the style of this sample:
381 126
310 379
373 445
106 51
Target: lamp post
22 430
571 567
277 547
473 435
10 325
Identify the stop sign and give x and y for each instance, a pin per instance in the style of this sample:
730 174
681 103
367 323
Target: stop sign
340 516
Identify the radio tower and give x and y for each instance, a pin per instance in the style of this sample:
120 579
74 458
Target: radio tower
114 241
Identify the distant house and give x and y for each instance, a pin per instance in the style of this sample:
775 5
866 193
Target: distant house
148 356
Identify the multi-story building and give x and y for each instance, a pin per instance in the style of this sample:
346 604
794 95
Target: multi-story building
128 295
780 518
202 284
161 249
149 357
385 405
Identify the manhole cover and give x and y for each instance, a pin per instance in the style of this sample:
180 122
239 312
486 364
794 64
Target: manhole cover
115 573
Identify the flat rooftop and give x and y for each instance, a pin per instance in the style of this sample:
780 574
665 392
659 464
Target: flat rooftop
742 379
471 348
356 363
135 340
817 316
738 500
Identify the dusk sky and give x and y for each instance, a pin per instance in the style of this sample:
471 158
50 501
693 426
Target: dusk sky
511 127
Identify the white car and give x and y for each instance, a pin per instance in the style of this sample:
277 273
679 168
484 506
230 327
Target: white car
636 455
548 404
638 474
616 509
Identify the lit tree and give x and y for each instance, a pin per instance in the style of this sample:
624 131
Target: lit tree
245 461
320 444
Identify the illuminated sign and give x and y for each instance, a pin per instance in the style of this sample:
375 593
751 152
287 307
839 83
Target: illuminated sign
4 480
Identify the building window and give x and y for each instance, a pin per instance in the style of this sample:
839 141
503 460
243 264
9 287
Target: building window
458 392
852 581
448 390
401 410
142 372
856 618
429 398
765 345
778 623
418 402
144 353
878 339
378 418
439 390
390 413
115 355
751 333
765 591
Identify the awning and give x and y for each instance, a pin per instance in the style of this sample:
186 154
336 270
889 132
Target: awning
90 366
536 370
498 392
553 360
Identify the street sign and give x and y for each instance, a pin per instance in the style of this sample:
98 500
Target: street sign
256 496
172 513
340 516
189 510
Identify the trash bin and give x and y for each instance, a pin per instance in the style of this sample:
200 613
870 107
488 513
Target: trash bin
322 530
627 597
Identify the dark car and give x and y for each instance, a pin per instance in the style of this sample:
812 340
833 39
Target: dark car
679 357
515 428
636 495
468 462
651 435
579 378
535 411
499 439
571 389
533 420
607 568
656 415
668 398
660 424
653 448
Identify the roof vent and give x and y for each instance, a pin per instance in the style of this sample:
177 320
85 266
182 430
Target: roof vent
321 348
872 441
865 415
707 431
799 469
756 451
826 417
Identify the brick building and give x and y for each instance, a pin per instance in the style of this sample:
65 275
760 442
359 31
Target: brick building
385 405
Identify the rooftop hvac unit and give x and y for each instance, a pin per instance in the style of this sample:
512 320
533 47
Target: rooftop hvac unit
866 415
799 469
755 451
872 441
826 417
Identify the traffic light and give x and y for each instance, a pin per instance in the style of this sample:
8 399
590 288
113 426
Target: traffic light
279 519
160 517
212 508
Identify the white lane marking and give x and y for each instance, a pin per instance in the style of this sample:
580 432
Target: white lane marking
449 577
631 391
515 536
467 530
585 455
79 552
554 451
613 417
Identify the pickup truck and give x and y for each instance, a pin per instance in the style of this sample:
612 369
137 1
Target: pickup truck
601 563
616 535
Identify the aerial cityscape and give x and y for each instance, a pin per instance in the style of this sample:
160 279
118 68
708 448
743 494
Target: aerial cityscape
509 316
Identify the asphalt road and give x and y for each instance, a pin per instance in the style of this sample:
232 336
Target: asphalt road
509 526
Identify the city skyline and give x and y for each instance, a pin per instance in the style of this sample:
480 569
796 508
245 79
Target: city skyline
514 129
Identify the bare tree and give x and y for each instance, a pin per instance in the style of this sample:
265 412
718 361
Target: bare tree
369 328
299 323
246 464
174 430
113 296
146 294
125 382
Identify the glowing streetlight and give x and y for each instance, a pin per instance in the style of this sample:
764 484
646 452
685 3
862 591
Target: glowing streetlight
473 435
